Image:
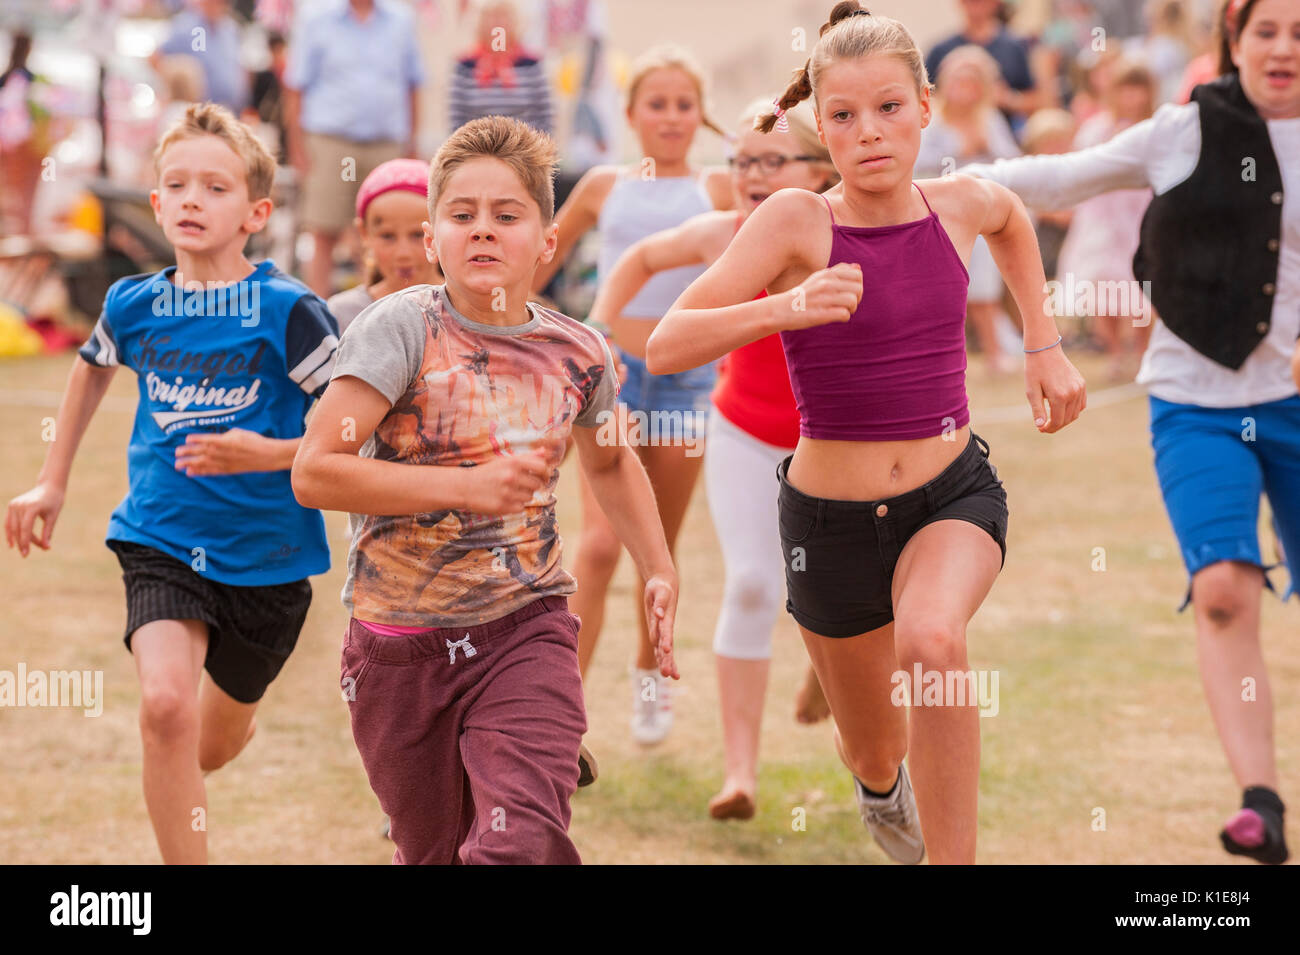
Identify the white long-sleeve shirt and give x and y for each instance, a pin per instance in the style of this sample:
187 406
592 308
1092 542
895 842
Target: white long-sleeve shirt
1160 154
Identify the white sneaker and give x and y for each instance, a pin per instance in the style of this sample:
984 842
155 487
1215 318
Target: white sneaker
652 707
892 820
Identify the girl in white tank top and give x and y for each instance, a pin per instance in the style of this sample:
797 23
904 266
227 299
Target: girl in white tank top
665 108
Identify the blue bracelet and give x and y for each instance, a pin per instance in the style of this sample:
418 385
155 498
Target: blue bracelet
1031 351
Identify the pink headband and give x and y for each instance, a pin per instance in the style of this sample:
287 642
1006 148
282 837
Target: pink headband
409 175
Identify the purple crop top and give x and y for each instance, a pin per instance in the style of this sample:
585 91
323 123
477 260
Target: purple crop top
897 369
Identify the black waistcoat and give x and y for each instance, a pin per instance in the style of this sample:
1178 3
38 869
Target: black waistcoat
1210 245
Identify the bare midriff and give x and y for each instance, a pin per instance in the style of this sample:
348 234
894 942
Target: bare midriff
872 470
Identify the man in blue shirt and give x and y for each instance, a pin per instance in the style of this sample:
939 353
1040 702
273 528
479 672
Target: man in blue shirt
351 102
209 33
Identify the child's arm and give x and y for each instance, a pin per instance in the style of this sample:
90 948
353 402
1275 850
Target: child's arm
328 473
311 344
1054 182
622 489
236 451
1295 364
1048 373
717 182
717 312
670 249
576 217
87 384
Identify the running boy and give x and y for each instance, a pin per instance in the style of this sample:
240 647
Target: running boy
214 550
461 658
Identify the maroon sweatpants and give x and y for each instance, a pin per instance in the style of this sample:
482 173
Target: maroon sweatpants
470 736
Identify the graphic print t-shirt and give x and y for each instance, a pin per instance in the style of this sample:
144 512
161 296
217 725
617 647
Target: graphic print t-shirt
463 393
252 355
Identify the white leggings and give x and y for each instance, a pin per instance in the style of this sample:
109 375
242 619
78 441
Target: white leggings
740 479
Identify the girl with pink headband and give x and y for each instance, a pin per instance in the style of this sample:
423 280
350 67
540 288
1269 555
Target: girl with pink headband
391 209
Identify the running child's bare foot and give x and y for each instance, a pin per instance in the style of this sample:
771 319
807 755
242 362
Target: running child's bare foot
732 803
810 704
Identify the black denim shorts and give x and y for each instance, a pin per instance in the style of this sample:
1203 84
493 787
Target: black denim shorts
840 555
251 630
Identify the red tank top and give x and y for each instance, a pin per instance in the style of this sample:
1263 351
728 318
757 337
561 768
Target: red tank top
754 393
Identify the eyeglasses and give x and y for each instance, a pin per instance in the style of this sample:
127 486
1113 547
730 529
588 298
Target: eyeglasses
768 162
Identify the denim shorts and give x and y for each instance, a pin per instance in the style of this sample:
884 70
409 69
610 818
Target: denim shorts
1213 464
682 400
840 555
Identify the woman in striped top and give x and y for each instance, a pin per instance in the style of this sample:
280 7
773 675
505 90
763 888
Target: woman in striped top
499 77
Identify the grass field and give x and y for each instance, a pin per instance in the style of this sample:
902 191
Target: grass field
1100 703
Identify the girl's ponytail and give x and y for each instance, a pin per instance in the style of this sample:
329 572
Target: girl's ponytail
800 89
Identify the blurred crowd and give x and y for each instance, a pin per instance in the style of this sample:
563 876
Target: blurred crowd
334 87
1089 70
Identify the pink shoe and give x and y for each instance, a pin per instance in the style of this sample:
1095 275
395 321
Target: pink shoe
1257 830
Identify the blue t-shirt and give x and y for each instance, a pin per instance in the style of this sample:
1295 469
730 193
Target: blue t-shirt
252 355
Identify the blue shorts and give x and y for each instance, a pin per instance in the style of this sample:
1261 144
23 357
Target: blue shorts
681 400
1213 464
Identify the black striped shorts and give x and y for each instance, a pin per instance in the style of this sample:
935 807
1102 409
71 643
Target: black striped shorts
251 630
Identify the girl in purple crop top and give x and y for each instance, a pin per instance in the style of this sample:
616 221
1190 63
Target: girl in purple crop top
893 521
